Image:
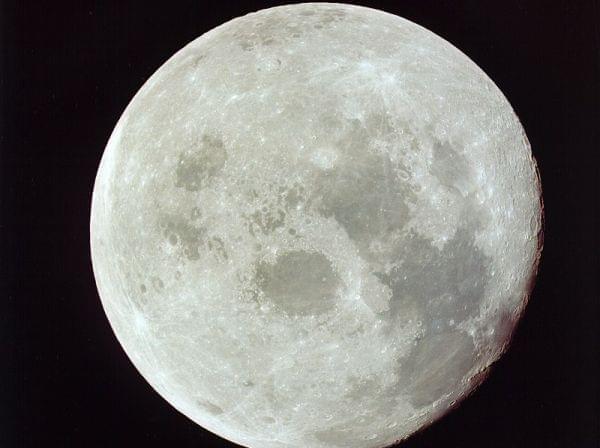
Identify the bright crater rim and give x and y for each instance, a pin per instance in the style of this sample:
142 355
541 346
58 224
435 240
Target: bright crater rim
316 225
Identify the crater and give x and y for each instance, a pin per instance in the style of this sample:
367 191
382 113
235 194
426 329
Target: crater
157 283
299 282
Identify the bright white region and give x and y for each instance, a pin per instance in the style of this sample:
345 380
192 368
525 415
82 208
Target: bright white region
324 158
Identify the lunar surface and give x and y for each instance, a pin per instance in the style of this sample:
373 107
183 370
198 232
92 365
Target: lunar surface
316 226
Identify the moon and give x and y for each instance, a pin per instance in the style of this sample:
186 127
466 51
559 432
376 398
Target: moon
316 226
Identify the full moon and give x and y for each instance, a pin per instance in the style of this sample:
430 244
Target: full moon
316 225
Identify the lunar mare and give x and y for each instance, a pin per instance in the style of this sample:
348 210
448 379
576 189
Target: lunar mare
316 225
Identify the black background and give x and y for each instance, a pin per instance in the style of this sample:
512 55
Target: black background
68 69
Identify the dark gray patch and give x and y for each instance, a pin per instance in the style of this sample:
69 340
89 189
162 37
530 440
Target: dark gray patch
451 168
329 16
217 247
437 366
299 282
265 220
200 163
195 213
157 283
197 60
263 35
503 324
445 285
336 437
189 238
338 12
292 197
346 436
247 45
367 202
362 190
210 407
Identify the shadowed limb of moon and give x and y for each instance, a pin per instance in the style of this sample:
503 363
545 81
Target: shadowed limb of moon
316 225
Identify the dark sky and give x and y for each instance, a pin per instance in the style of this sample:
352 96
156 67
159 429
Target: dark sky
68 69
